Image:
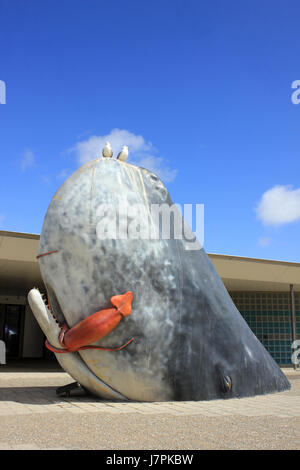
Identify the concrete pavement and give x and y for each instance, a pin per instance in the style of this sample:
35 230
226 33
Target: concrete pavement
32 416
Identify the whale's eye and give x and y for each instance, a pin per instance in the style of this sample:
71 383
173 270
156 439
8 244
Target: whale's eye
153 177
157 186
226 383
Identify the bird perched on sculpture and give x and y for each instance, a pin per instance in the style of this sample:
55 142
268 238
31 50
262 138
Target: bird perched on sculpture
107 150
123 154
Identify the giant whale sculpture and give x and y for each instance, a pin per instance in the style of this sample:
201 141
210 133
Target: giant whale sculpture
137 318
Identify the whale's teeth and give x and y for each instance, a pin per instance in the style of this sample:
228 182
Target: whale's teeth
52 313
44 317
48 306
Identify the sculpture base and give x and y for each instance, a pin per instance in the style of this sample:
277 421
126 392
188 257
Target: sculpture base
66 390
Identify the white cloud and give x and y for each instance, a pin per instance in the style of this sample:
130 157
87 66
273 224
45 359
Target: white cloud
158 166
92 147
27 160
279 205
140 151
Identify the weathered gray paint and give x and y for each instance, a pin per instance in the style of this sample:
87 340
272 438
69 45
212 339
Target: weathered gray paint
191 343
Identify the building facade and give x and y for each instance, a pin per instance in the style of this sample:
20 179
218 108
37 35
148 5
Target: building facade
266 293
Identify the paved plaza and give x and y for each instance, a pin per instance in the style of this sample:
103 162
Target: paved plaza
32 416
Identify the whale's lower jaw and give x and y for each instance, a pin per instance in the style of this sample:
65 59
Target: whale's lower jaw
71 362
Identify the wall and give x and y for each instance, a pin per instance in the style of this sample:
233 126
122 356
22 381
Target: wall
268 314
32 338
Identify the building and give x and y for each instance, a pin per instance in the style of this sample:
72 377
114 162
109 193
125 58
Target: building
266 292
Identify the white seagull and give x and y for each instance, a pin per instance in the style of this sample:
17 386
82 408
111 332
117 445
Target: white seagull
123 154
107 150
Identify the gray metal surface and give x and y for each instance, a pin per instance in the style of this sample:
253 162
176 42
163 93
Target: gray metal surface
191 343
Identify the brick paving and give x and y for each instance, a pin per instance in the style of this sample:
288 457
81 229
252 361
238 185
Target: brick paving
32 416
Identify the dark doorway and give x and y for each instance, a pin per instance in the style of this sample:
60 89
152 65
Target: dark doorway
11 328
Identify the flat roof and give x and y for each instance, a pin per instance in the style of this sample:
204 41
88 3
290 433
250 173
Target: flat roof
18 265
33 236
258 260
36 236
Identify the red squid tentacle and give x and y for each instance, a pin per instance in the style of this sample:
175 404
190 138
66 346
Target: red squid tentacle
55 350
106 349
64 328
65 350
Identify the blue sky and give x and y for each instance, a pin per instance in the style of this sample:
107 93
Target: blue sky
202 89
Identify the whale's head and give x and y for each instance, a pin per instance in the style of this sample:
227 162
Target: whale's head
97 229
99 239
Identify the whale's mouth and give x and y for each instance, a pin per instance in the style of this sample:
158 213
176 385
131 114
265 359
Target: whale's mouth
89 330
72 363
53 305
50 299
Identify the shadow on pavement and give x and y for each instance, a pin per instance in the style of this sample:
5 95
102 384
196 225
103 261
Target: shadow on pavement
31 365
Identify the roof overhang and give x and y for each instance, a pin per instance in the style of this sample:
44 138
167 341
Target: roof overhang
19 269
252 274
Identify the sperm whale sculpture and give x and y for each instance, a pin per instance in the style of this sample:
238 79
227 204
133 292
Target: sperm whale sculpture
138 317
